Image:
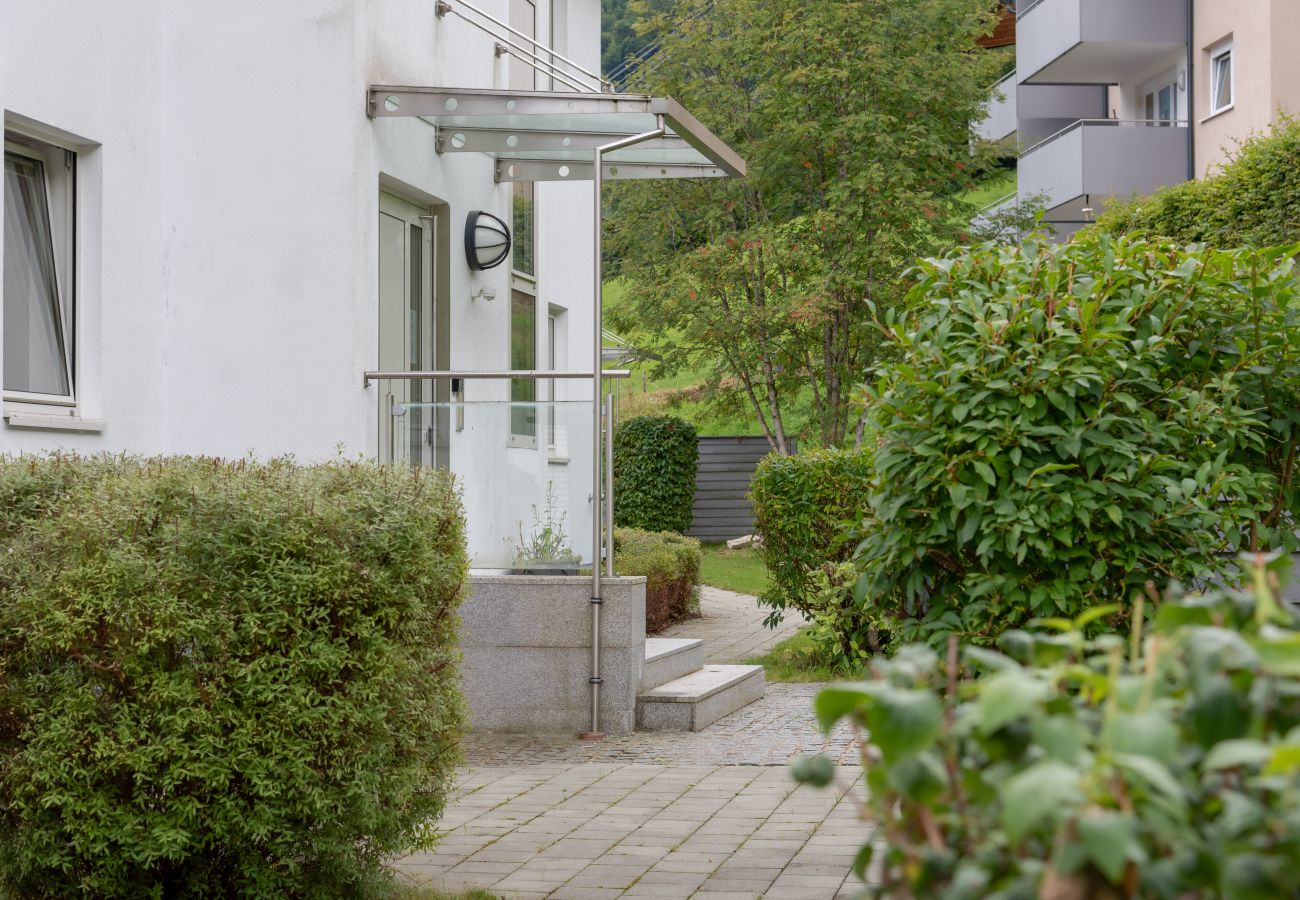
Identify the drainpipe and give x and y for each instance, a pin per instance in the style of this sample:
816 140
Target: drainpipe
598 158
1191 91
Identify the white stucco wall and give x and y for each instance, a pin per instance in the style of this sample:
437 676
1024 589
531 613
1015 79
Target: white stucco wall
228 208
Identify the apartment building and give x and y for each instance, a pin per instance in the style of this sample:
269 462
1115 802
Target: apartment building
1115 98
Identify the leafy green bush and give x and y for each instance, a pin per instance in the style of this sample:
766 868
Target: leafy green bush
655 460
1060 421
1255 199
803 506
1160 767
222 679
671 565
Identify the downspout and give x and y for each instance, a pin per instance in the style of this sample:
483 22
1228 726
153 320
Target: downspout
598 218
1191 88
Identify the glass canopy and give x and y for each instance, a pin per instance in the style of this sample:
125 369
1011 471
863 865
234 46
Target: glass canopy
551 136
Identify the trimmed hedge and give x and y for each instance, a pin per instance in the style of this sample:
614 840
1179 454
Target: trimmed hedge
802 507
655 461
1062 423
222 679
1255 199
671 565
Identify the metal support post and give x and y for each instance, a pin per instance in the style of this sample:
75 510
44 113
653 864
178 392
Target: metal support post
597 531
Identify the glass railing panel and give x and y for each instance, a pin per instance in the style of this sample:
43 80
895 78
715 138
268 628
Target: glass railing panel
524 469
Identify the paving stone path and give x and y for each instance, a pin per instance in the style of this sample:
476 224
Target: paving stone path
731 626
712 815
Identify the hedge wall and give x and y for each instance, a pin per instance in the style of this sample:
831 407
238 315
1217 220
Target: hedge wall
655 461
802 507
223 679
671 565
1254 200
1059 424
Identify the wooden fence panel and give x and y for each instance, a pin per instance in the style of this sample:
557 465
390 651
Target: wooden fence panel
722 508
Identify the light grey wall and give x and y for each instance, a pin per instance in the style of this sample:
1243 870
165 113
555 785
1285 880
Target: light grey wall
526 642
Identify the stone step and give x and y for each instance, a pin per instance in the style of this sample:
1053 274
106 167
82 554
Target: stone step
697 700
669 658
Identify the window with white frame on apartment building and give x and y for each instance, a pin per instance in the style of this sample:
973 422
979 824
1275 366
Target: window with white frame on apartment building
1222 88
39 299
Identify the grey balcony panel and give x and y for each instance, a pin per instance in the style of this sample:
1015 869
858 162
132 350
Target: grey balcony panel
1001 119
1096 41
1045 109
1093 162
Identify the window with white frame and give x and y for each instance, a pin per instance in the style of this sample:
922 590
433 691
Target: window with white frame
1221 79
39 300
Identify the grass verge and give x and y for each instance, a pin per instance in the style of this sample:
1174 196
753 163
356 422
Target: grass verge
794 661
733 570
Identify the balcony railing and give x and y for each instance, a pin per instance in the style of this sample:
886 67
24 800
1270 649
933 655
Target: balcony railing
525 472
1079 167
1000 121
1097 41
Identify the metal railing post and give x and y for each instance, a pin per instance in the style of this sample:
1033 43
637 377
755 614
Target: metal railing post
598 362
609 484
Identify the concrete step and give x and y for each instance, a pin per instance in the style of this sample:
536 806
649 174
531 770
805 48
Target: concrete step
670 658
697 700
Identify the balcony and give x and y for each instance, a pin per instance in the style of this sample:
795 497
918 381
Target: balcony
1083 165
1000 122
1097 41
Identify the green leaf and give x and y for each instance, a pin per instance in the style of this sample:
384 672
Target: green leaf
1142 734
1007 696
1063 737
1218 712
1156 776
1172 616
1285 760
862 860
1111 840
842 700
903 721
1279 653
1047 790
1239 753
920 777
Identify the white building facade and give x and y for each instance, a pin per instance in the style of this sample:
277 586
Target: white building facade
210 236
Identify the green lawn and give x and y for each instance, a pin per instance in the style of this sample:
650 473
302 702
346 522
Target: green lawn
733 570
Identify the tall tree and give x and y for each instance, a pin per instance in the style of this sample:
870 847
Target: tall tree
854 118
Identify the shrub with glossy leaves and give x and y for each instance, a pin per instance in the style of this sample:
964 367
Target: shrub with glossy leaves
1164 765
670 563
1061 423
223 679
655 461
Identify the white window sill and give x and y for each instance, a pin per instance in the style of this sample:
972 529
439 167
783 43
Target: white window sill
554 460
46 422
1214 115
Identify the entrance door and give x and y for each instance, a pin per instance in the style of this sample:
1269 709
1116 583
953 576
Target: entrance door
406 329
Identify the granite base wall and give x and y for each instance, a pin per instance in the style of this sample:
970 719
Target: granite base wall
526 642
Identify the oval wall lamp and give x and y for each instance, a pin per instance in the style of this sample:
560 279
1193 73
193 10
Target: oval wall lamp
487 240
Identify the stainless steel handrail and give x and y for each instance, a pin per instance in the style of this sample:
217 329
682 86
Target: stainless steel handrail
442 7
1132 123
531 374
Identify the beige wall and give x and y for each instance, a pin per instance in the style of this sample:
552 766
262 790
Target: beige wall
1267 70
